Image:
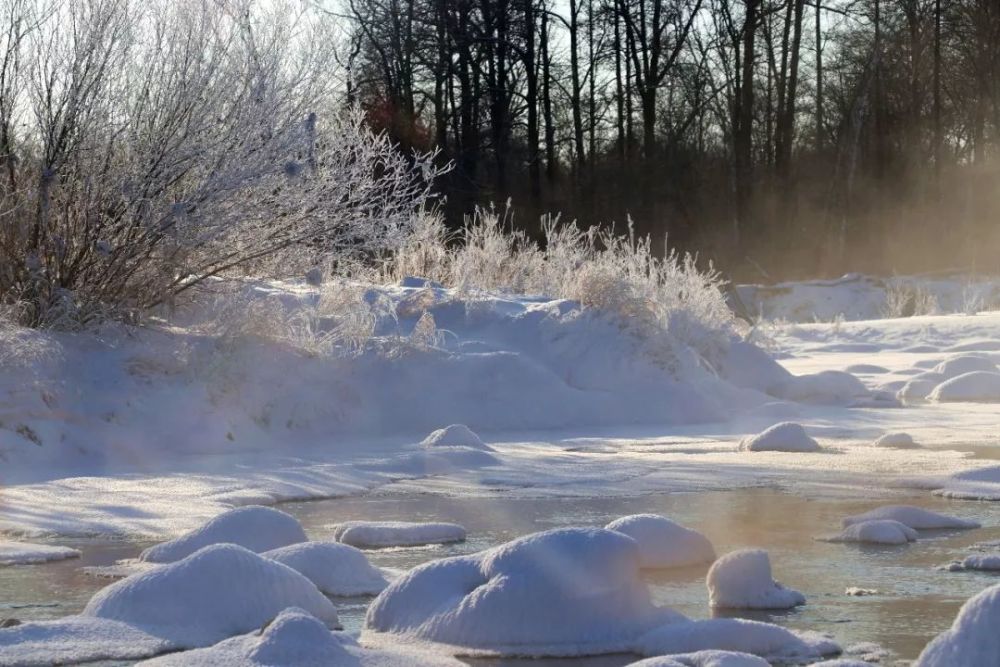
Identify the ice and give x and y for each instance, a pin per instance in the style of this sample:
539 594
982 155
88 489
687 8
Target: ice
219 591
972 640
563 592
296 639
771 642
974 387
742 580
76 639
335 569
379 534
782 437
664 543
914 517
898 440
256 528
704 659
456 435
22 553
951 368
876 531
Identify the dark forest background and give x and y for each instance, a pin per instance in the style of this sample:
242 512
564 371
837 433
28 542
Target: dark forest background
782 138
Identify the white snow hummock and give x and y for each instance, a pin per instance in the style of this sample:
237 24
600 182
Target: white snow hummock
335 569
977 484
825 388
782 437
972 640
296 639
742 580
766 640
967 363
876 531
563 592
664 543
898 440
23 553
456 435
976 562
975 387
380 534
215 593
914 517
916 390
703 659
254 527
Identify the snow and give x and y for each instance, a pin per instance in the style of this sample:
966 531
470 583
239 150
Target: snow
914 517
973 639
899 440
826 387
704 659
980 562
978 484
977 386
296 639
961 365
771 642
217 592
664 543
876 531
379 534
562 592
76 639
255 528
916 390
335 569
456 435
782 437
22 553
742 580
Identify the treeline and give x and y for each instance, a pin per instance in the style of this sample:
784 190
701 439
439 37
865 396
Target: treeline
783 137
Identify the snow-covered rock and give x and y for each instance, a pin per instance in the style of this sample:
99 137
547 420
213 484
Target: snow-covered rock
664 543
897 440
456 435
564 592
217 592
915 517
296 639
782 437
825 388
951 368
972 640
254 527
336 569
766 640
704 659
22 553
380 534
876 531
742 580
975 387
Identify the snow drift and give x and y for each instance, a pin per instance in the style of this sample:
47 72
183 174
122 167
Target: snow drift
972 640
379 534
255 528
975 387
335 569
563 592
664 543
742 580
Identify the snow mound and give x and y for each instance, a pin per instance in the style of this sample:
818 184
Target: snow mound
914 517
975 387
254 527
976 562
951 368
742 580
76 639
978 484
704 659
456 435
217 592
563 592
916 390
771 642
824 388
972 640
23 553
896 440
747 366
866 369
664 543
379 534
782 437
335 569
876 531
295 639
